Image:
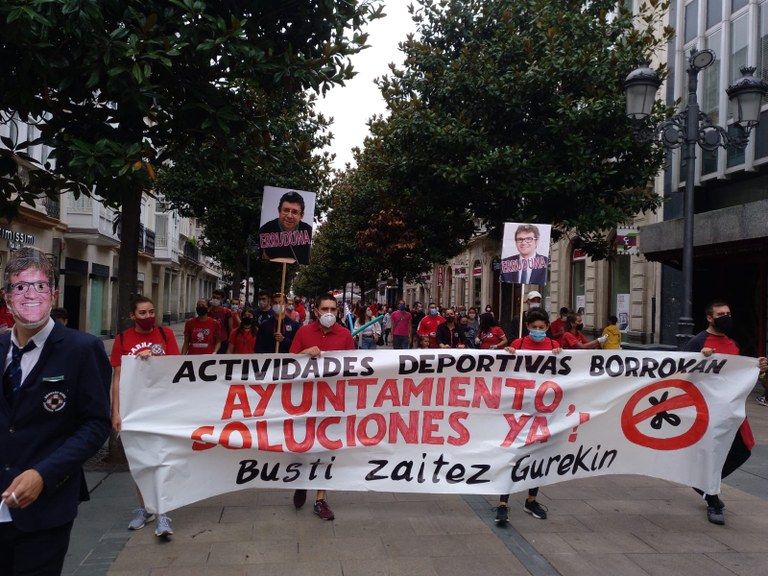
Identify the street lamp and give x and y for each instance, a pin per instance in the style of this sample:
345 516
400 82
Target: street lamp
689 128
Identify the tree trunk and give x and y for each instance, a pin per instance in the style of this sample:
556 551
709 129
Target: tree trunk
128 265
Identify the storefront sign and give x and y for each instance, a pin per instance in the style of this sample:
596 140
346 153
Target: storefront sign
17 239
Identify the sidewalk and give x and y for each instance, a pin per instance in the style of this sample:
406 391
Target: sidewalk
613 525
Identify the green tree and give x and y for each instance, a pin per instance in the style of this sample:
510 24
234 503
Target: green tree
124 85
514 111
221 182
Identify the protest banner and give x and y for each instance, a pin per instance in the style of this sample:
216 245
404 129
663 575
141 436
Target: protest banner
437 421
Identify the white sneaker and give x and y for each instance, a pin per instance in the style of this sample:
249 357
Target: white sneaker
163 526
140 518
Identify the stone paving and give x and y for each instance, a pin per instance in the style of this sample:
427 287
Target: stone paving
611 525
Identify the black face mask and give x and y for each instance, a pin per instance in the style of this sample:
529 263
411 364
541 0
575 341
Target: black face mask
247 321
201 310
723 324
579 326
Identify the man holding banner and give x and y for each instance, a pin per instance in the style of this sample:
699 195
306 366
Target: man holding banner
322 335
715 340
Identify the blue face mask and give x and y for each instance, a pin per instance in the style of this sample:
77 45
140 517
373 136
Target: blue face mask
433 311
401 307
537 335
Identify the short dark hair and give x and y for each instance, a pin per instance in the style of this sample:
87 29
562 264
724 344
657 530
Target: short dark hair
710 309
294 198
613 319
29 257
218 291
535 315
322 297
564 310
59 314
140 300
263 294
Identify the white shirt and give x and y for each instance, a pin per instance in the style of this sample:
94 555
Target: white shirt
28 362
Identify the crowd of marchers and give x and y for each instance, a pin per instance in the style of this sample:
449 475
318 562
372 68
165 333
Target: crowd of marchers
43 480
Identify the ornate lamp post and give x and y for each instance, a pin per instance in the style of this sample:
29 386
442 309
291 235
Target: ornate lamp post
689 128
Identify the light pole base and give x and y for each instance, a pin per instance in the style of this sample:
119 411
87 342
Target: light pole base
685 331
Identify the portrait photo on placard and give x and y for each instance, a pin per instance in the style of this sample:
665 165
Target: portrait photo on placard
525 253
287 221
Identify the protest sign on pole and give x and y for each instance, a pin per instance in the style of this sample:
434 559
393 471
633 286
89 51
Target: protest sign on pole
287 218
448 421
525 253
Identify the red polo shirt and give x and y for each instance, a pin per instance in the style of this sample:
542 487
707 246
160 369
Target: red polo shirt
337 338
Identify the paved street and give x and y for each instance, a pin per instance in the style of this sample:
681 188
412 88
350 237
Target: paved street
623 525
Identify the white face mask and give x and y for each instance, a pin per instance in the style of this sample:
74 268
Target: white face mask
533 305
328 319
277 308
215 302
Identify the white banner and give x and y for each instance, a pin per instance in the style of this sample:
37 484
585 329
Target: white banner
447 421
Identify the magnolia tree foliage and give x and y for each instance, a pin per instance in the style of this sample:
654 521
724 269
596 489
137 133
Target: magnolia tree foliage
507 111
120 86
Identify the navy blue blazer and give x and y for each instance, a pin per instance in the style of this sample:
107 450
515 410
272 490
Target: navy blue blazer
61 417
538 275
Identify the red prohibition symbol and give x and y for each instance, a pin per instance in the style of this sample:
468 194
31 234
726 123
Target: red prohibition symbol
690 397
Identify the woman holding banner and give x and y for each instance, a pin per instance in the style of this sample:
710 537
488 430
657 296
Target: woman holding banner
144 339
573 338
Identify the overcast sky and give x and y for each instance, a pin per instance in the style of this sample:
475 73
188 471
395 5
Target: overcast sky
352 105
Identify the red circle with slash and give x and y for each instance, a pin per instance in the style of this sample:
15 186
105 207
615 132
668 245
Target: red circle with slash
690 397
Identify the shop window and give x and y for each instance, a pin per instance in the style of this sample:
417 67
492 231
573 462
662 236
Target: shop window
620 290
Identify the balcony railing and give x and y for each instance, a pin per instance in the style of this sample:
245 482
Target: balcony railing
52 207
192 252
149 241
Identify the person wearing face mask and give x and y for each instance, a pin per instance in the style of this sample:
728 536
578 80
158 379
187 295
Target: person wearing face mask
322 335
144 339
533 302
290 311
202 334
573 338
490 336
263 311
54 415
401 327
557 327
536 339
450 334
269 335
715 340
223 316
242 340
429 324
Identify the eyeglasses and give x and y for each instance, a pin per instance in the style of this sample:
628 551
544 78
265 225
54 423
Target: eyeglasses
529 240
22 287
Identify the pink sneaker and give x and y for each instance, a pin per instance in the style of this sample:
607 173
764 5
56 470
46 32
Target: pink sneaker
323 510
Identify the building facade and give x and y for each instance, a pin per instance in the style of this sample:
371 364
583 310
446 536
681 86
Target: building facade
731 186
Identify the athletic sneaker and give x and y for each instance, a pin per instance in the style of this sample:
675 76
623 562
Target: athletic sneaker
323 510
715 515
761 400
163 526
140 518
502 515
536 510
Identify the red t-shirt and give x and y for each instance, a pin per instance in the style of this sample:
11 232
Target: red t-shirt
202 335
224 317
338 338
244 341
428 327
527 343
299 308
721 344
6 318
131 343
570 340
401 323
491 338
